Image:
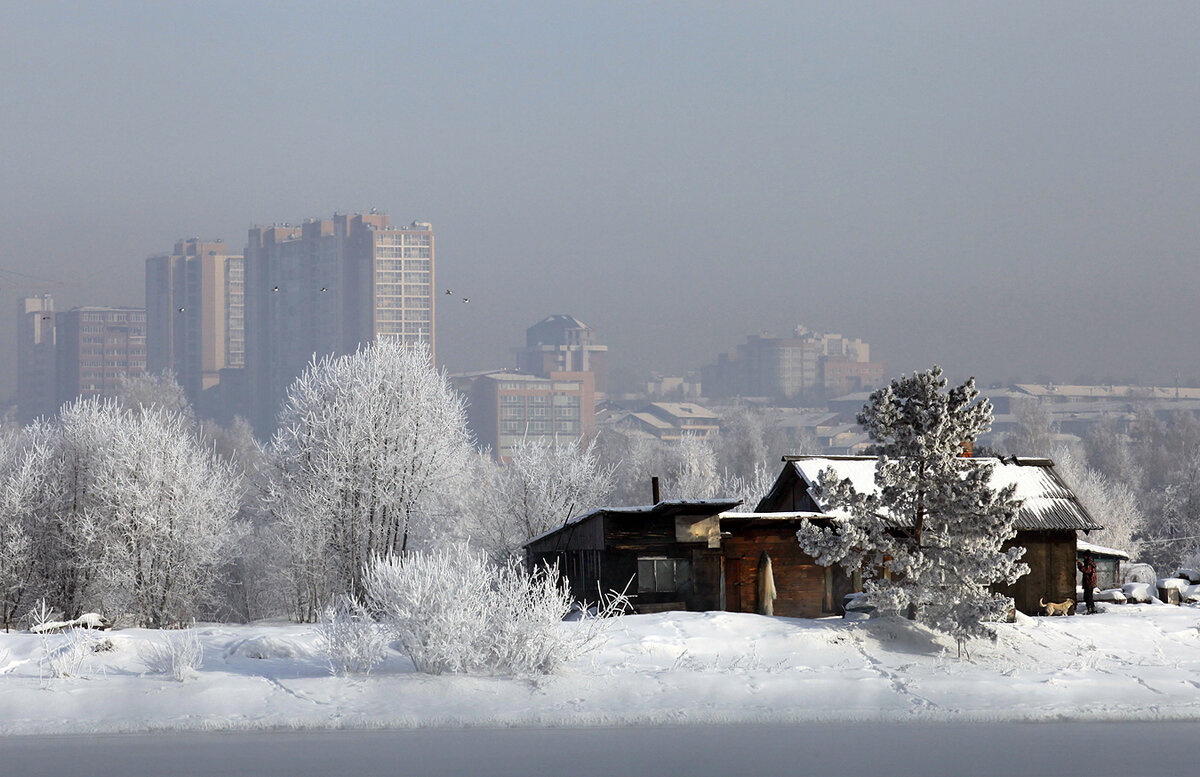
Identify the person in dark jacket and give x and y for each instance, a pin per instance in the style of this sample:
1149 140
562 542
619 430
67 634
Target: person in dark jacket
1087 565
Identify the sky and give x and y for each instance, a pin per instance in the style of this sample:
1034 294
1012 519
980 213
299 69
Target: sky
1005 189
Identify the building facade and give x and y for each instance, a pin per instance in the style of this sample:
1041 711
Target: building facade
328 286
194 314
36 369
95 348
671 421
563 343
506 408
807 366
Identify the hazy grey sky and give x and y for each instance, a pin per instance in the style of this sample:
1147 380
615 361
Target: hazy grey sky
1007 189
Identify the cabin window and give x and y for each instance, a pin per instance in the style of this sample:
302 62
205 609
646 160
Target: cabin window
662 575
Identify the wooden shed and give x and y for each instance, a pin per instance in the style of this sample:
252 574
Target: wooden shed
804 589
1046 526
1109 564
665 556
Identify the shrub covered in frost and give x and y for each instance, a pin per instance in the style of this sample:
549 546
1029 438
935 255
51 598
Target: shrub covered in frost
454 611
349 638
178 654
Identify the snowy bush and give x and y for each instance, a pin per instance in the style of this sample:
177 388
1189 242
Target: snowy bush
349 638
65 650
1139 593
178 654
69 654
454 611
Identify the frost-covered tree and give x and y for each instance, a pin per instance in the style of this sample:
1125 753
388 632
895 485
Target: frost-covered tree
634 457
159 390
1173 538
454 611
1113 504
123 512
541 487
686 468
254 588
20 474
1034 435
928 537
160 520
369 444
1110 451
691 469
744 443
748 490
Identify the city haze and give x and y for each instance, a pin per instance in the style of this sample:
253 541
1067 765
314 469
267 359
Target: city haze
1007 190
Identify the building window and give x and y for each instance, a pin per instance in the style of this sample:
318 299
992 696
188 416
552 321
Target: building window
662 575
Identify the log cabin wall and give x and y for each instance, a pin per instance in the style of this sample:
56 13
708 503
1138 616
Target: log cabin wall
630 539
804 589
575 551
789 494
1051 559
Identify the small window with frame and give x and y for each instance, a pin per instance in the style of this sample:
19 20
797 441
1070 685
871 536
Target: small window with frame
659 574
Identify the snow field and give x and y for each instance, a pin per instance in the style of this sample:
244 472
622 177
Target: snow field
1132 662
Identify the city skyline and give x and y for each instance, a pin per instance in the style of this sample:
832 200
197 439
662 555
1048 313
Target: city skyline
1002 190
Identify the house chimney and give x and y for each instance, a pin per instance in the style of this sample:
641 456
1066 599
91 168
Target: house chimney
654 488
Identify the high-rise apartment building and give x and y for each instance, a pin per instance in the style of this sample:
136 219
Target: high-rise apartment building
325 287
35 358
563 343
194 314
96 348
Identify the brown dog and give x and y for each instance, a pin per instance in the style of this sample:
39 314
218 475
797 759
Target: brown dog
1057 608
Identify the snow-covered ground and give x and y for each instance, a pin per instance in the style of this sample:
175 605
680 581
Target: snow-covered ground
1129 662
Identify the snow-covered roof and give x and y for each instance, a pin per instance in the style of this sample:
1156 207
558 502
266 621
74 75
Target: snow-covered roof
685 410
1099 550
1107 392
1046 501
665 507
735 518
652 420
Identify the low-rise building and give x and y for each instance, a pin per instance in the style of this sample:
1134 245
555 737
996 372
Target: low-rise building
673 420
507 407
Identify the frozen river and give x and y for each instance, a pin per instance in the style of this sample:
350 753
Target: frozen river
928 750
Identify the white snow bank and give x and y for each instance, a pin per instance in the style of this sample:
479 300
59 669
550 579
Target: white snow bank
1135 662
89 620
1139 592
1112 595
1172 583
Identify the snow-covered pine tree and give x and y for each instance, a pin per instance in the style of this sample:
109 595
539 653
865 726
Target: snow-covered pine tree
928 538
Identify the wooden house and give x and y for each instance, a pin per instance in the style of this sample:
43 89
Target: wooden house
665 556
1046 525
804 589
